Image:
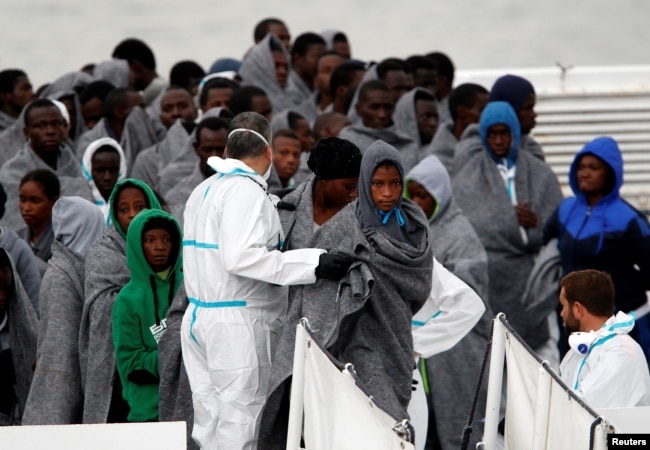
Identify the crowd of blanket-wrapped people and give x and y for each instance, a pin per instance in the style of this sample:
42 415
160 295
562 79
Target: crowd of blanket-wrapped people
162 234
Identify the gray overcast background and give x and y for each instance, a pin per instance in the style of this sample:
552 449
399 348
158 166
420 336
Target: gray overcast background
48 38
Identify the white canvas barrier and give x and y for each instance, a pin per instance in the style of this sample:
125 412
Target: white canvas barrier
543 413
122 436
337 413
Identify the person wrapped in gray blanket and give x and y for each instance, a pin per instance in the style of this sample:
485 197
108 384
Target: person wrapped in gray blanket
365 319
18 335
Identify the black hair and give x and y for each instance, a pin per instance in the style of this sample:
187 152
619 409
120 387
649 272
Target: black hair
343 75
133 49
391 64
186 74
97 89
418 62
106 149
8 79
293 118
3 200
262 28
241 100
372 85
47 179
340 37
303 42
38 103
334 157
444 64
211 123
116 98
215 83
464 95
421 94
286 133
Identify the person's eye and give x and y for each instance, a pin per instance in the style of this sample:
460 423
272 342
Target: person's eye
123 210
140 207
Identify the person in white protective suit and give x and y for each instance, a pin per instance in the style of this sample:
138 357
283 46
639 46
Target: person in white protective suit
235 279
451 311
604 366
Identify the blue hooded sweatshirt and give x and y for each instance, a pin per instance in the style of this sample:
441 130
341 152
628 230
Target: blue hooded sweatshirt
610 235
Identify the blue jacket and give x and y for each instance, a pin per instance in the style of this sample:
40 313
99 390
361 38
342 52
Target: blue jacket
610 235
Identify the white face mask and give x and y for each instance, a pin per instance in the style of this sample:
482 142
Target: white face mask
267 174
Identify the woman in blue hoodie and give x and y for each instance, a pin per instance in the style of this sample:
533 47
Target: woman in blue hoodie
597 229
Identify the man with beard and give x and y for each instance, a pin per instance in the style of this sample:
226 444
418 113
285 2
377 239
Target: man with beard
605 366
211 137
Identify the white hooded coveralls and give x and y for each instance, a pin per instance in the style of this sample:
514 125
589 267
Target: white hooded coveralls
235 280
613 373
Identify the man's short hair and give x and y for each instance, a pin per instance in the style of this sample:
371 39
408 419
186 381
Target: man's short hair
117 98
343 75
464 95
303 42
8 79
242 99
287 133
39 103
371 86
135 50
184 73
210 123
215 83
424 94
444 65
592 288
262 28
244 144
392 64
418 62
97 89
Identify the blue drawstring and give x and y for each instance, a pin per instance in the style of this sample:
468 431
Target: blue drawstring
384 216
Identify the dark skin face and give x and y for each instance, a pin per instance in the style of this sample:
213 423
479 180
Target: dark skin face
527 114
22 94
343 49
592 178
399 83
331 196
129 203
92 111
105 171
210 143
262 106
376 109
426 114
421 197
46 130
217 98
281 68
426 78
286 157
304 134
176 104
281 32
324 69
499 140
157 247
386 187
305 64
35 207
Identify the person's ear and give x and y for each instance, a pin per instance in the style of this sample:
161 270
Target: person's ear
579 310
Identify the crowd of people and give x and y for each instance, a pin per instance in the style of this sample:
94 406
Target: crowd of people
160 240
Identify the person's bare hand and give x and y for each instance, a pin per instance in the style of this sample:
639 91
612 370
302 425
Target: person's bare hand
526 217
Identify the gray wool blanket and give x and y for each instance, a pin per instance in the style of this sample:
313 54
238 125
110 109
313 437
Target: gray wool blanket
56 397
363 137
405 118
258 69
25 262
175 400
481 194
12 138
365 319
151 161
106 272
23 336
177 197
444 144
68 170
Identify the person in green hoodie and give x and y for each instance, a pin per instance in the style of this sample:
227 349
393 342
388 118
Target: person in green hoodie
139 314
106 273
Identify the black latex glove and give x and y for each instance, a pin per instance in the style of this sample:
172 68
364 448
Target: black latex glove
334 265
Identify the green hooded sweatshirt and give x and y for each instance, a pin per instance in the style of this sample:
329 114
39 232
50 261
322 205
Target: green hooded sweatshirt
139 317
130 182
